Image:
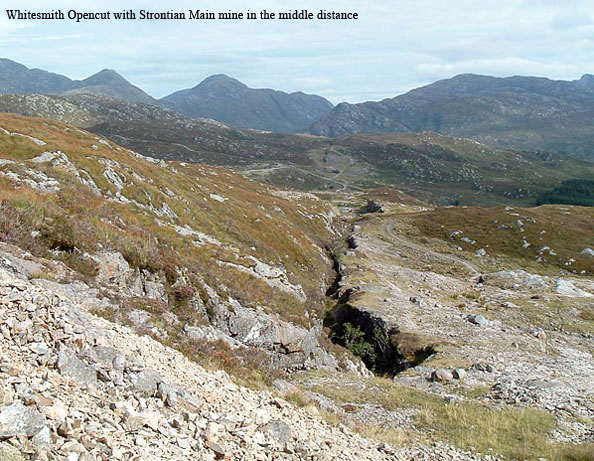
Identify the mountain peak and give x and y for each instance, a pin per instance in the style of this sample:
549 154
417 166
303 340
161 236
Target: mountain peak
104 76
587 80
222 80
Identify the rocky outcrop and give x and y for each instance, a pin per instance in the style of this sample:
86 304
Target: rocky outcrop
291 346
272 276
114 270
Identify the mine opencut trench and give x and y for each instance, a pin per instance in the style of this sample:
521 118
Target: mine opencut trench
364 333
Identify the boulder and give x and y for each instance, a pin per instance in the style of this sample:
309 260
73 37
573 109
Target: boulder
459 373
146 382
20 420
70 365
478 319
440 375
112 268
278 431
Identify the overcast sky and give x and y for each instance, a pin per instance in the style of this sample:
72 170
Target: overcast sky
394 46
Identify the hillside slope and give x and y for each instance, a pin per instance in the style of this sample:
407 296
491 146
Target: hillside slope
224 254
478 355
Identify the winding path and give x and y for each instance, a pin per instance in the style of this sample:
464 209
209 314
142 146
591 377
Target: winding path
422 250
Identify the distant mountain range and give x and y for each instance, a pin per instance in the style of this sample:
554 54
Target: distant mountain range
16 78
530 113
522 112
229 101
218 97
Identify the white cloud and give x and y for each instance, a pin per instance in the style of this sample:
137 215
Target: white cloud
393 47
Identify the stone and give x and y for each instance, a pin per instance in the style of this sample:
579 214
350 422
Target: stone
105 356
171 399
71 366
478 319
146 382
57 412
480 252
279 431
43 439
65 429
176 422
10 453
20 420
459 373
39 348
587 251
163 390
112 268
540 334
415 300
218 451
140 318
441 375
135 420
119 362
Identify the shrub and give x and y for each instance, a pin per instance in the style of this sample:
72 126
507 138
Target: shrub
354 340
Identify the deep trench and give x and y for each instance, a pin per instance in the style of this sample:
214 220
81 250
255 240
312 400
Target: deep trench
386 358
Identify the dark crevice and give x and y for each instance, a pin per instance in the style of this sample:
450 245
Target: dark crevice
351 242
365 333
375 348
335 286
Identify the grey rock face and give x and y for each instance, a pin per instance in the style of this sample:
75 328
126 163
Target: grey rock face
291 346
113 269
